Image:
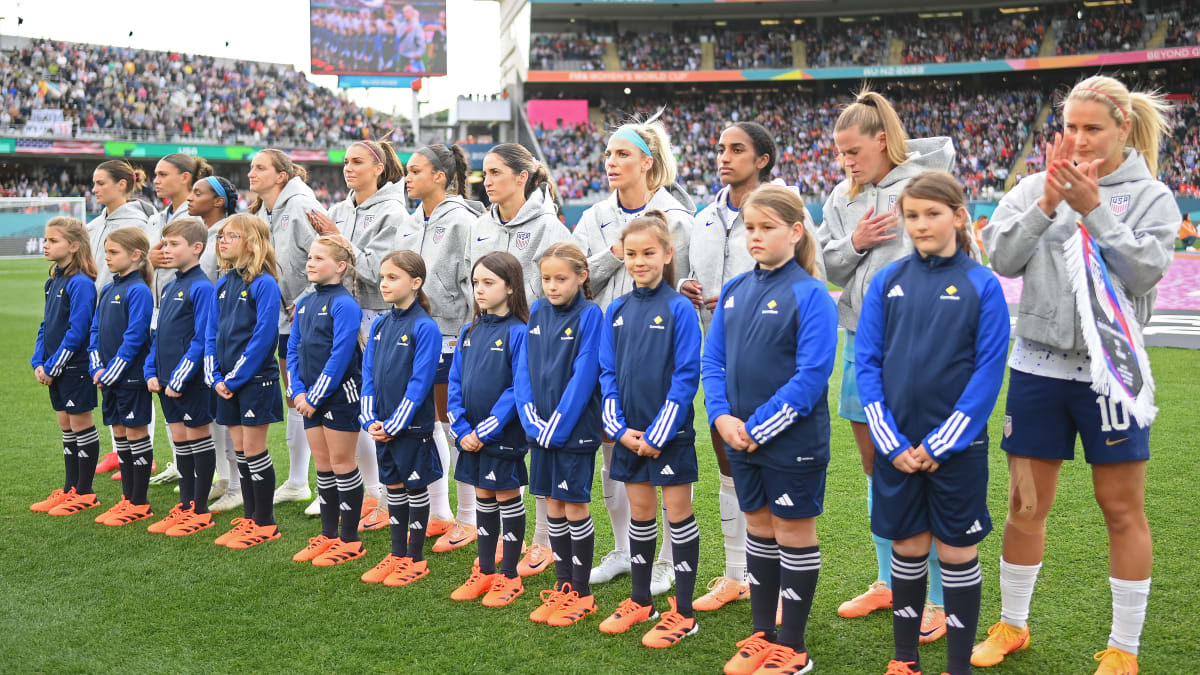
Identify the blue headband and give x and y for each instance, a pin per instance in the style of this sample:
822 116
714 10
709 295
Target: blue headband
216 186
635 138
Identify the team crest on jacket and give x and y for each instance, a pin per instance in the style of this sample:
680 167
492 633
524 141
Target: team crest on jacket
1119 204
283 222
439 233
368 219
891 202
523 240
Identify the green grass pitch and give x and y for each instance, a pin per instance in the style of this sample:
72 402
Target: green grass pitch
78 597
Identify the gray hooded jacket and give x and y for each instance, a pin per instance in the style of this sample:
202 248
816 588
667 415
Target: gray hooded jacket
1134 226
534 229
717 251
600 229
443 242
291 234
371 227
133 213
853 270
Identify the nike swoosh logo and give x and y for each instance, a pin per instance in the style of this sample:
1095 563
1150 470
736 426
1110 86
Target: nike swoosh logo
456 542
728 520
539 565
606 225
480 238
708 224
1109 441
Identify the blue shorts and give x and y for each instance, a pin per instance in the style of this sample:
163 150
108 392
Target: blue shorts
409 460
675 465
73 392
1043 415
281 347
850 406
194 408
442 376
339 411
128 406
950 502
490 471
561 475
788 490
258 402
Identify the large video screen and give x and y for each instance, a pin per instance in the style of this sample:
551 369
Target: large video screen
378 37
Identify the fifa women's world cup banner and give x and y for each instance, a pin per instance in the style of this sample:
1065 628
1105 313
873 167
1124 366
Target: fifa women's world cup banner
378 37
1120 365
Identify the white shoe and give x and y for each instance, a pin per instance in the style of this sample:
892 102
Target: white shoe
611 566
661 577
217 490
232 499
168 475
313 509
292 493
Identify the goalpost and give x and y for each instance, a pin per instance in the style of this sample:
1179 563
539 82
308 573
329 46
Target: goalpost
23 221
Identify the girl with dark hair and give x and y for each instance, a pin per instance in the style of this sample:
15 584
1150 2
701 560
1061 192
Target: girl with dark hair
439 231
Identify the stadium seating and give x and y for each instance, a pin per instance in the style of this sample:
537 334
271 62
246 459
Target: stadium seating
133 94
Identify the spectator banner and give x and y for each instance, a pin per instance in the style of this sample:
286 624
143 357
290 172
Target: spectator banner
32 146
378 38
908 70
1120 365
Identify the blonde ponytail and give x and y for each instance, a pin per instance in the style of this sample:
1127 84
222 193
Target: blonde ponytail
653 132
1146 112
871 113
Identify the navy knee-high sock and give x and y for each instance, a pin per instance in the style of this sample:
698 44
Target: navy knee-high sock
685 544
350 501
204 465
962 584
70 460
560 544
327 498
908 603
141 452
762 571
262 482
247 485
397 502
799 568
583 550
418 520
187 473
87 451
643 536
512 518
487 519
121 447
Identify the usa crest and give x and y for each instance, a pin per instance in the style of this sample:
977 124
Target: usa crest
368 219
523 239
283 222
439 233
891 202
1119 204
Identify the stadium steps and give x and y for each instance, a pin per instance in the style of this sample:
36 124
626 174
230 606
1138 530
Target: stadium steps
611 60
707 58
896 52
1158 38
1049 43
799 54
1018 167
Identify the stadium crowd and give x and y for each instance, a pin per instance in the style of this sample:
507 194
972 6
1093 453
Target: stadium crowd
112 91
988 133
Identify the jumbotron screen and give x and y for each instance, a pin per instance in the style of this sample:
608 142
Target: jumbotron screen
378 37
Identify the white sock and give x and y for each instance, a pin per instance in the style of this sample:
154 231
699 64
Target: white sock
368 464
298 454
223 443
541 527
1016 592
666 552
733 526
465 497
1129 600
616 501
439 490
